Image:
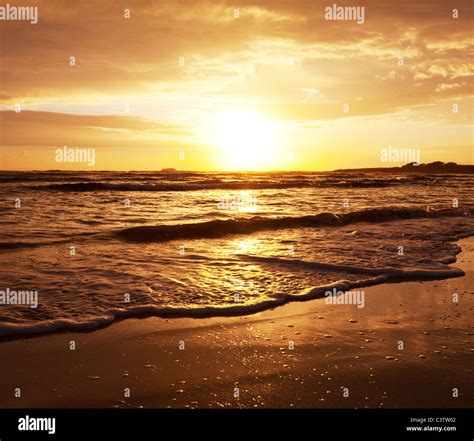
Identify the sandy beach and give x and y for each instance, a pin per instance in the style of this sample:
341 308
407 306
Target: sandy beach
300 355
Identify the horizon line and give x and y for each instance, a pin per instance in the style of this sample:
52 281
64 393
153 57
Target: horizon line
173 170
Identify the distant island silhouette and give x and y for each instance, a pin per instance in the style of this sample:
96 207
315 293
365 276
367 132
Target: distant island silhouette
432 167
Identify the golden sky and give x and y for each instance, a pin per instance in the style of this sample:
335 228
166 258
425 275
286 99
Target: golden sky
249 84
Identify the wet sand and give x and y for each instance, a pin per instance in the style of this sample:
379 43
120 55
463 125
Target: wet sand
302 355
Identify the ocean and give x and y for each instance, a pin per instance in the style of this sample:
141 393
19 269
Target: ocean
98 246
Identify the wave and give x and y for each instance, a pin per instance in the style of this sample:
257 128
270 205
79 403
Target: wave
221 228
368 276
18 245
382 275
90 176
392 274
218 184
21 245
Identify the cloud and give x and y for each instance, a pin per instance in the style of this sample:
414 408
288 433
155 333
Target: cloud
245 58
57 129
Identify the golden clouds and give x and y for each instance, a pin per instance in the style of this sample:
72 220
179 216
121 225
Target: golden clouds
57 129
180 62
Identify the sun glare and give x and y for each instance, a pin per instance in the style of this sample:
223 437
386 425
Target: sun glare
246 140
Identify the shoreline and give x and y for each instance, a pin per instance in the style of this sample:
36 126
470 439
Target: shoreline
300 354
381 276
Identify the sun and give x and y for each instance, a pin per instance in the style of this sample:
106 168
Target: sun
245 140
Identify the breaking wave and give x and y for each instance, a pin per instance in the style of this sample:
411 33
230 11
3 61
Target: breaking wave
221 228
